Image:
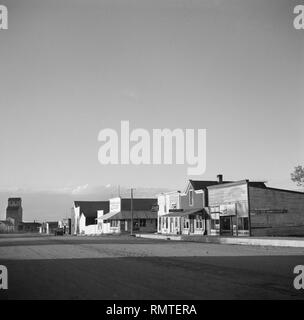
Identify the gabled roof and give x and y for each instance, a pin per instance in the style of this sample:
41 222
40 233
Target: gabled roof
138 204
203 184
126 215
257 184
90 208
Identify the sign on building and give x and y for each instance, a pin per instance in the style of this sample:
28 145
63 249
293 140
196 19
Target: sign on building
228 209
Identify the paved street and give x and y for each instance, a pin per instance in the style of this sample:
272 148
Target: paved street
122 267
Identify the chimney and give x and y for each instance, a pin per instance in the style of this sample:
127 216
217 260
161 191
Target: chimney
220 178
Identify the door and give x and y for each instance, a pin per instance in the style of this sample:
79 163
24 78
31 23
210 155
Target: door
122 226
226 225
191 225
171 225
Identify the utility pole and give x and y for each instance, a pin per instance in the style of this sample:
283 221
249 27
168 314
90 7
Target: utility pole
131 211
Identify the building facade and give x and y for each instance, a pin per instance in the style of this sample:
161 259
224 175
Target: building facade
185 212
247 208
120 218
85 216
14 211
30 227
7 226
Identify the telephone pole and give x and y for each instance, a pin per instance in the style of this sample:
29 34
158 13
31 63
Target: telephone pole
132 211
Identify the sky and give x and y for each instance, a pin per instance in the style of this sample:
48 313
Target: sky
71 68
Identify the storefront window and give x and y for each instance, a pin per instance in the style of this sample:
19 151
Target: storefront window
243 223
114 223
215 224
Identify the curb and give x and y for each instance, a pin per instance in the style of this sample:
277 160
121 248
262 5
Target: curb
275 242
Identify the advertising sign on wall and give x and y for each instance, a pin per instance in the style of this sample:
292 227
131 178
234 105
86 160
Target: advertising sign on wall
228 209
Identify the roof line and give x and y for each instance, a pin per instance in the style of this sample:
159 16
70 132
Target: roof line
229 184
283 190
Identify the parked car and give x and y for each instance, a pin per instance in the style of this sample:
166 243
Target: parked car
59 232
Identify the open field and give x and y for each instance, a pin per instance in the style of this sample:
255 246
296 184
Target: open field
123 267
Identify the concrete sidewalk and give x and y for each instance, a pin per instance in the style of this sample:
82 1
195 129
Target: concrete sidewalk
249 241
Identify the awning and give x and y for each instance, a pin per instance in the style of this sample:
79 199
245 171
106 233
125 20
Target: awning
183 213
107 216
126 215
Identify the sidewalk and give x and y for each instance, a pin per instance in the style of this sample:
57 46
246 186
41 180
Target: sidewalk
248 241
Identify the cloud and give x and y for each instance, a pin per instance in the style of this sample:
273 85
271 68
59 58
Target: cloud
80 189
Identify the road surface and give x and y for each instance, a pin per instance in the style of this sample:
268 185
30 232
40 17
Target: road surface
123 267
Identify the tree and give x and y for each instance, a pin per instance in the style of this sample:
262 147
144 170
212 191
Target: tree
297 175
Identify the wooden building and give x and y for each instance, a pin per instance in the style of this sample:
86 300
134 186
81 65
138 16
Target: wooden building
246 208
119 218
185 212
85 216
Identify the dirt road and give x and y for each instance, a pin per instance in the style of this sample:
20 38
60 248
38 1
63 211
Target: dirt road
115 267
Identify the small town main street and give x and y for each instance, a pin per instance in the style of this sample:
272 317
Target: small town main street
123 267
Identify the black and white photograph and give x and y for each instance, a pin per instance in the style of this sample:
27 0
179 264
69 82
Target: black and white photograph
151 153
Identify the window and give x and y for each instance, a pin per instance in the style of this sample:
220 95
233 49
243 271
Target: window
243 223
199 222
114 223
215 224
142 222
191 198
186 223
167 223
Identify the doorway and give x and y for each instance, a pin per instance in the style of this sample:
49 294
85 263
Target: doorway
191 225
226 226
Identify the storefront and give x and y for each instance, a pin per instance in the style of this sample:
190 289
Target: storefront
184 222
229 210
120 218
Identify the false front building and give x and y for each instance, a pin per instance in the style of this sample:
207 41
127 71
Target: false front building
246 208
187 212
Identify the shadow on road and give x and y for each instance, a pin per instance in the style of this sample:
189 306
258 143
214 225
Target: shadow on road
254 277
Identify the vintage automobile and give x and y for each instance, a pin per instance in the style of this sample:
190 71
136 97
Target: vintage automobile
59 232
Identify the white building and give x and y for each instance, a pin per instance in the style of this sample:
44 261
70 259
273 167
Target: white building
119 219
185 212
86 217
